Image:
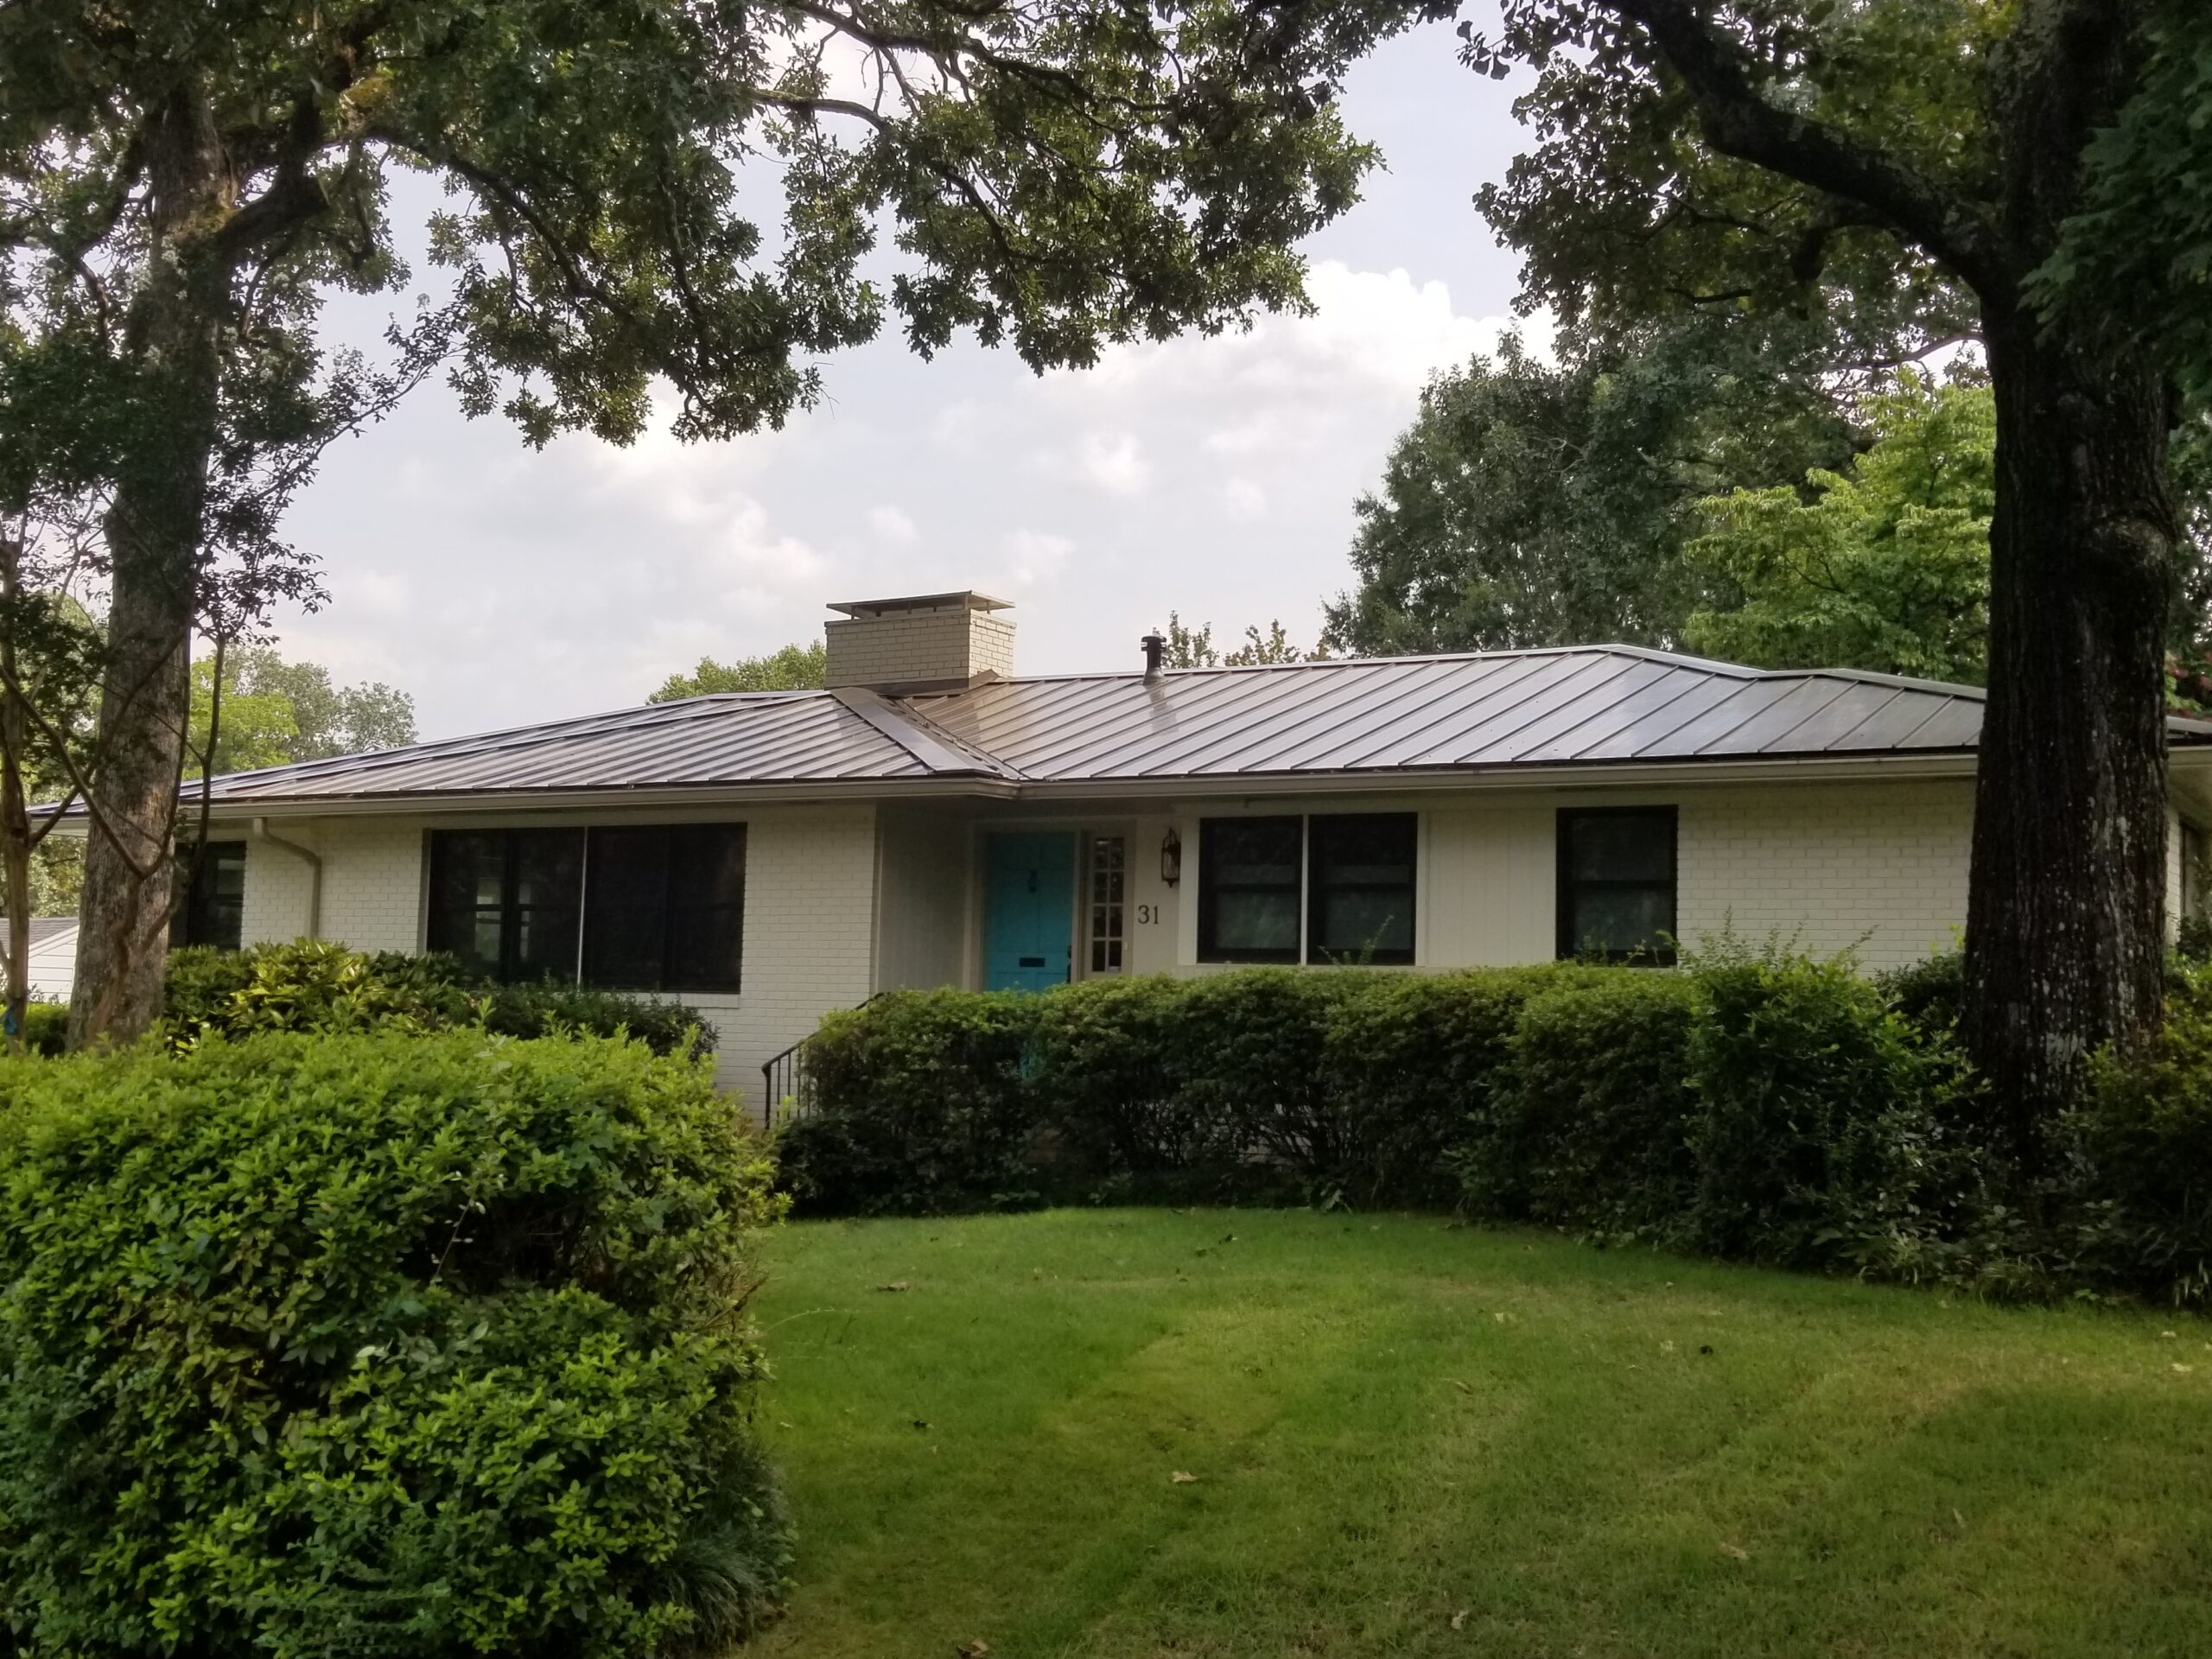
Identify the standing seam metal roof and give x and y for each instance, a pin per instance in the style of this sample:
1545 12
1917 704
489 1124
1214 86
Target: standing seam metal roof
1595 705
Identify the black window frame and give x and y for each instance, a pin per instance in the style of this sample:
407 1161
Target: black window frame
1211 886
671 975
1569 885
508 968
198 912
1319 827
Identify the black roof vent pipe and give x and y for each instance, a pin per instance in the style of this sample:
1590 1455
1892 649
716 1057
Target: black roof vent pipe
1155 651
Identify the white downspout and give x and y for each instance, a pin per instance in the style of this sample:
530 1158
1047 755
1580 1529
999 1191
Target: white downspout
314 873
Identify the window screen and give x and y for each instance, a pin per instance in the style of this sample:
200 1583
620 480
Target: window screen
1249 871
210 906
1361 869
1617 883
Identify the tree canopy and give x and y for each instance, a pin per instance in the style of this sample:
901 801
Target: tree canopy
1541 503
641 195
794 668
1886 567
275 712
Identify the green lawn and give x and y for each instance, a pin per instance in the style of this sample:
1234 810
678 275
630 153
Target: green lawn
1410 1439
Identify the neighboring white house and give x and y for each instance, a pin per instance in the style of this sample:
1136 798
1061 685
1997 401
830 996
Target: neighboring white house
52 957
931 820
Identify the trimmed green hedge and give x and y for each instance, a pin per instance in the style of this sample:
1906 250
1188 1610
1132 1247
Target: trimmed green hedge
313 985
1754 1104
410 1344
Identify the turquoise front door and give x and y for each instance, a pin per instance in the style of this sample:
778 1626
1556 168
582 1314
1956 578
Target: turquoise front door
1029 911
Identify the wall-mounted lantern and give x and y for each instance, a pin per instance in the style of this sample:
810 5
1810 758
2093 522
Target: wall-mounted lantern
1171 859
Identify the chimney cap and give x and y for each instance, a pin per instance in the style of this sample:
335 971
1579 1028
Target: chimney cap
966 599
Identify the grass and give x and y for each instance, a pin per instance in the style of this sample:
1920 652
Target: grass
1410 1438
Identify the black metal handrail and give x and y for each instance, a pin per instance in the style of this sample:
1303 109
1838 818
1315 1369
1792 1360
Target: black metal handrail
787 1077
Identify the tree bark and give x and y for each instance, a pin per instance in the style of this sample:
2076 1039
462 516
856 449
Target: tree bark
2066 916
154 532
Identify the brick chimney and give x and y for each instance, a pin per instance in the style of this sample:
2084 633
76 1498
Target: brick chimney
929 642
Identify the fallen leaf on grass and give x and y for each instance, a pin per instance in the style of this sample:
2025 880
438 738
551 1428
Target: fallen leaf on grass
896 1284
1460 1619
1735 1552
1463 1387
1181 1477
974 1649
2183 1370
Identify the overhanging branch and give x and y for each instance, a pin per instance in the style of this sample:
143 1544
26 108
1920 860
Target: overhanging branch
1739 121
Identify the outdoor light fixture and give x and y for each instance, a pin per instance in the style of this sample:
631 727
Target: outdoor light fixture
1171 859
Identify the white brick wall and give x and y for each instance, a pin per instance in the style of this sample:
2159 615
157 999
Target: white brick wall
1878 866
952 643
810 906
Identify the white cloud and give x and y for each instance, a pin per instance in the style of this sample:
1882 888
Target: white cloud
892 527
1033 557
1244 499
1114 462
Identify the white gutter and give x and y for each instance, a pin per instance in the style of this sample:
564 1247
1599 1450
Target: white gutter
314 872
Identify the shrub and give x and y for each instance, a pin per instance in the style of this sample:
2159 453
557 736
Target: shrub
919 1106
2140 1156
46 1027
1822 1116
1106 1063
1256 1063
1589 1124
1417 1060
378 1342
316 985
550 1007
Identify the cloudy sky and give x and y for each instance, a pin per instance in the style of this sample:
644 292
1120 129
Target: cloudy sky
1214 477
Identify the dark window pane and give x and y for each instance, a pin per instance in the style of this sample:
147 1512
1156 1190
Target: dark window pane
208 902
1362 904
1620 921
625 931
1248 921
1617 883
1249 885
1363 924
547 882
468 872
1261 852
706 905
1623 847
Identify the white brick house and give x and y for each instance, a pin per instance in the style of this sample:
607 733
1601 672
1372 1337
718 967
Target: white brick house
931 819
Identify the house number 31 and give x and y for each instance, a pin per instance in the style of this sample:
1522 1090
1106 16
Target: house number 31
1147 914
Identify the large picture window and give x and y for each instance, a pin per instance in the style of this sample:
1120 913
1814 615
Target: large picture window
654 907
1361 882
1335 888
1617 883
210 895
664 907
1249 889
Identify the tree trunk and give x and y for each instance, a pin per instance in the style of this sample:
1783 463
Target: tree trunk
2066 919
154 534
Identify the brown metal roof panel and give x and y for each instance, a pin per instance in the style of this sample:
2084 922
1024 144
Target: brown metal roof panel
1652 708
1595 708
1419 711
1226 721
1834 726
1486 737
1709 732
1789 706
1271 732
1953 723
